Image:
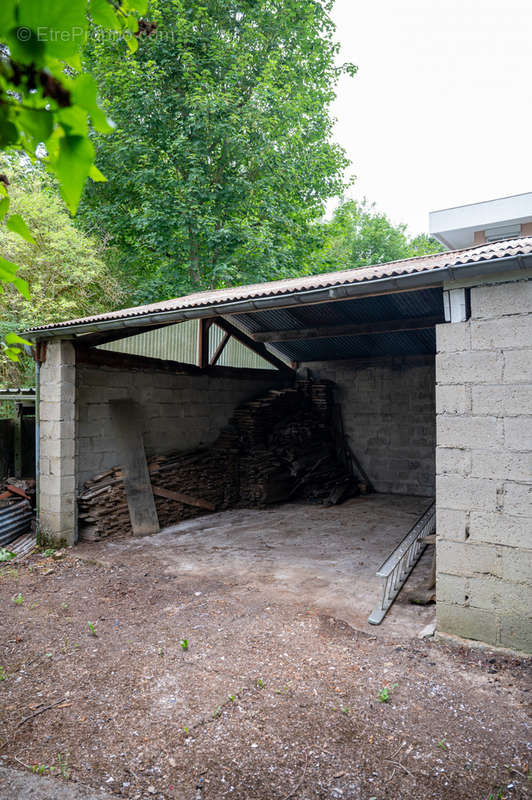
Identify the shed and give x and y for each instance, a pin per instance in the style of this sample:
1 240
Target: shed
431 360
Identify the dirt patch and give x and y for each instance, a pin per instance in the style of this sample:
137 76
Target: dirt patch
273 699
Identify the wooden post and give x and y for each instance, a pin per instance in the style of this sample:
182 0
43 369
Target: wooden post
17 440
203 342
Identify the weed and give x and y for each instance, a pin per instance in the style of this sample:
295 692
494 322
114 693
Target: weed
3 675
49 552
217 712
62 765
345 711
184 644
186 730
92 629
232 698
260 683
442 744
64 606
41 769
385 693
160 651
6 555
497 796
18 599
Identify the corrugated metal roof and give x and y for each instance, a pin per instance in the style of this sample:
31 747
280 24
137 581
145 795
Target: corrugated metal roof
394 269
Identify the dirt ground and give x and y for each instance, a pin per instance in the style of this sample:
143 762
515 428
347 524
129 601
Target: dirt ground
276 697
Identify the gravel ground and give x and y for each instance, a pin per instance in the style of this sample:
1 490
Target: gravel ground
273 699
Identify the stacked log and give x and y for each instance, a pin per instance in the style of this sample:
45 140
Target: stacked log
275 448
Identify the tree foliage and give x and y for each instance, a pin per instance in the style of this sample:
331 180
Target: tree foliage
46 101
63 267
359 236
222 156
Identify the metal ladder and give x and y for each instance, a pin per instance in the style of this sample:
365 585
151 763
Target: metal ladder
400 563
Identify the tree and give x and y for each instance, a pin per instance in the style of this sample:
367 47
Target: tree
222 156
359 236
64 268
46 101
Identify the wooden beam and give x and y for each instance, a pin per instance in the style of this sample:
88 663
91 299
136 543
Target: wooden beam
179 497
247 340
353 329
203 342
219 350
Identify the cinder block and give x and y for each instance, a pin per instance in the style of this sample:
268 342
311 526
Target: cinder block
471 623
486 592
518 435
451 589
517 366
508 332
451 524
516 632
453 460
453 491
500 528
506 400
501 465
468 559
517 565
498 299
453 399
518 500
452 337
469 432
469 367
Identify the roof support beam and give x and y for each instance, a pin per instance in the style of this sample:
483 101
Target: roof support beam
247 341
219 350
203 342
354 329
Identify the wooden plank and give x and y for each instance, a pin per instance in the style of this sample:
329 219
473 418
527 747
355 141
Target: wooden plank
219 350
256 347
353 329
203 342
127 422
183 498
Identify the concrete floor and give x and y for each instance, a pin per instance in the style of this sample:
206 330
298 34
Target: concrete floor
323 557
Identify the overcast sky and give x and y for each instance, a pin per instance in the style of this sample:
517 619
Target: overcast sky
440 112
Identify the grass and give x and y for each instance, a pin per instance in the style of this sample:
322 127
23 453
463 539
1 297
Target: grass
386 692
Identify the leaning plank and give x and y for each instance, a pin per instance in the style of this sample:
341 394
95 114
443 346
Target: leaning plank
127 423
183 498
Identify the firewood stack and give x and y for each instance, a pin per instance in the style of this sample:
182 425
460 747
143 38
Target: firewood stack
275 448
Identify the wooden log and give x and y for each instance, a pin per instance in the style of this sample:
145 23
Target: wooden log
179 497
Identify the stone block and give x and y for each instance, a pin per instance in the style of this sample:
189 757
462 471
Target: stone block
517 366
469 367
451 589
518 500
452 337
517 565
468 622
469 432
516 631
505 400
518 435
451 524
487 592
466 493
452 399
500 528
468 559
501 298
453 460
507 332
501 465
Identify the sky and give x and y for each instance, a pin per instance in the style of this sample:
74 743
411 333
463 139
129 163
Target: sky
440 111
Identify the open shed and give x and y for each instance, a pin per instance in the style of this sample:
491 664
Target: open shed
430 358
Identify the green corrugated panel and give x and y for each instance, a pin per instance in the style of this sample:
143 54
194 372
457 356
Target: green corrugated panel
180 343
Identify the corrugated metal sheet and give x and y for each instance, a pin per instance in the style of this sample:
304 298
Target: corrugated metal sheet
180 343
509 248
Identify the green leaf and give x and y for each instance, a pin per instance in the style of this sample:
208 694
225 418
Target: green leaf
141 6
8 270
4 207
76 154
38 123
61 25
16 224
21 285
95 174
74 120
85 94
14 338
102 13
132 43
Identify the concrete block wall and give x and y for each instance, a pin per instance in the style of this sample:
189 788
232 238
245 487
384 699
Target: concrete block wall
180 412
389 416
484 468
57 462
